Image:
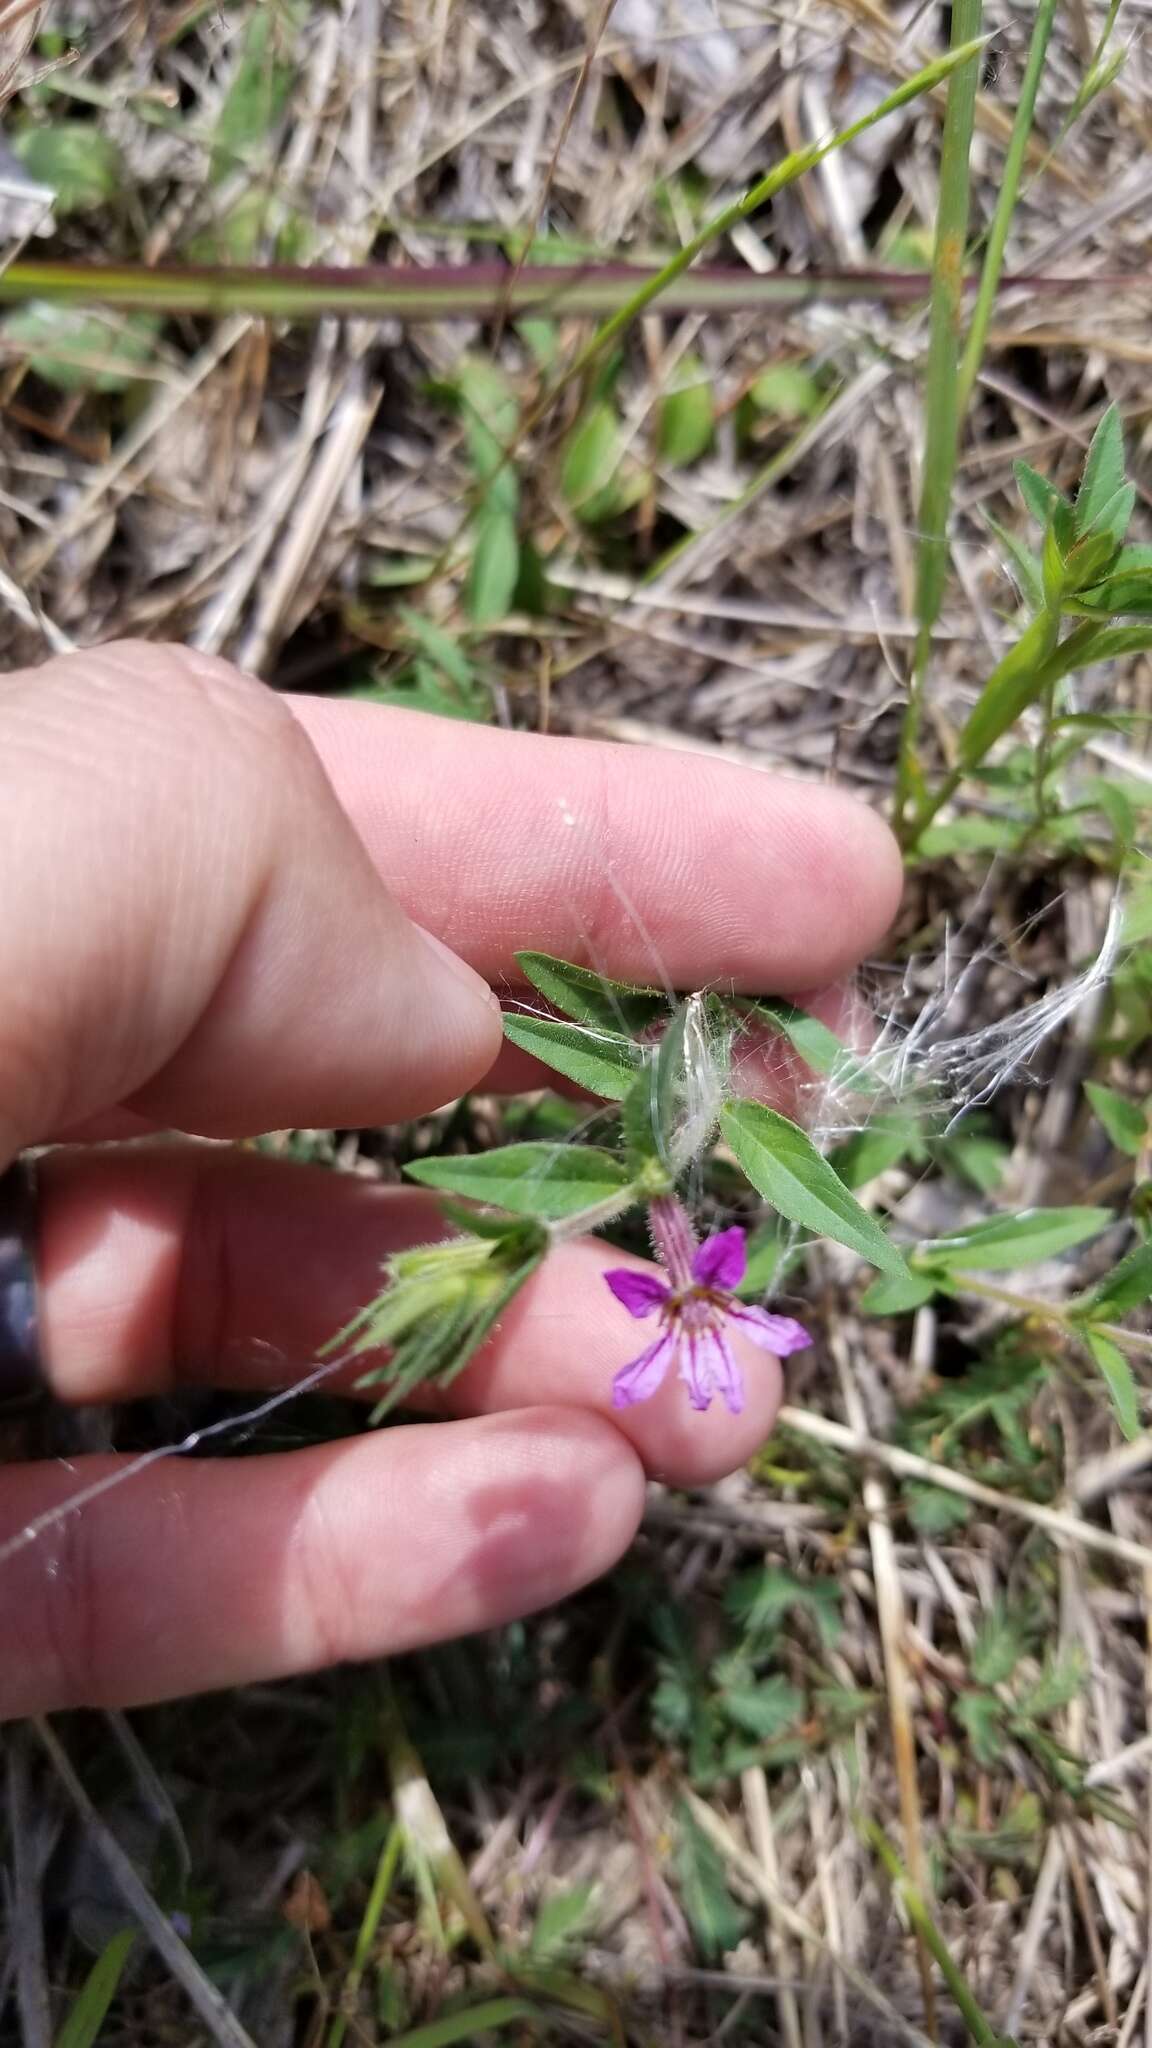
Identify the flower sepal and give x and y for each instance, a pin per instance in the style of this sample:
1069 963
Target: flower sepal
439 1304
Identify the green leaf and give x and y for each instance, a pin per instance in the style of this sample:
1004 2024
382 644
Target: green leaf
897 1295
1112 801
769 1249
1117 596
82 165
1128 1286
1060 1682
980 1715
786 391
259 89
595 1060
717 1922
1005 1242
766 1709
686 415
1119 1380
968 835
591 998
881 1144
976 1158
759 1600
558 1920
495 567
1103 471
817 1046
1025 565
591 455
933 1512
83 2025
1125 1122
997 1648
1014 683
784 1166
532 1179
1041 497
79 351
491 416
439 646
1109 527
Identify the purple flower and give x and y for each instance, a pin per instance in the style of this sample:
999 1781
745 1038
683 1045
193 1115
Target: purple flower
695 1304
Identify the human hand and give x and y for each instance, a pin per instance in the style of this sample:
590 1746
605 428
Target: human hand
207 926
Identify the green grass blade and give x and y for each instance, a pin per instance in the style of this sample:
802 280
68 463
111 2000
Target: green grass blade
1006 203
784 173
942 392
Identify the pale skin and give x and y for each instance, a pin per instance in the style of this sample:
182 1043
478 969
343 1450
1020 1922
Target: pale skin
209 925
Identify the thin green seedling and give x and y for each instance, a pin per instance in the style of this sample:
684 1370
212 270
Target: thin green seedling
1088 594
993 266
942 411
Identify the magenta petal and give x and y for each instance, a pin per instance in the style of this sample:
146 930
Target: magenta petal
726 1374
695 1369
772 1333
721 1260
640 1293
639 1380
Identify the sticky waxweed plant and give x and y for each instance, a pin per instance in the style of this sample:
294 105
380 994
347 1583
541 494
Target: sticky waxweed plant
674 1073
1087 598
681 1082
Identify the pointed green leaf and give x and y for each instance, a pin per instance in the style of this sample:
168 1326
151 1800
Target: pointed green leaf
1005 1242
1118 596
1025 565
898 1295
258 91
687 415
1119 1380
81 165
1127 1286
1103 470
495 567
591 456
818 1047
767 1709
1040 497
882 1143
717 1922
595 1060
491 416
1015 683
547 1181
997 1647
1125 1122
784 1167
85 2021
79 351
1111 521
592 998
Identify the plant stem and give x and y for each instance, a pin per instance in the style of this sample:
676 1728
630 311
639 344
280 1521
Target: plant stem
942 392
1046 1311
1006 203
591 1218
377 1900
964 51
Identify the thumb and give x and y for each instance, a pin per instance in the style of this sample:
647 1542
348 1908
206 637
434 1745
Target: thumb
189 924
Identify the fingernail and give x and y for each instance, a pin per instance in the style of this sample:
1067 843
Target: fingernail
460 968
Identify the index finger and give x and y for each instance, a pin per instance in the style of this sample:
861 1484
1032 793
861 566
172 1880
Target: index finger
648 865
